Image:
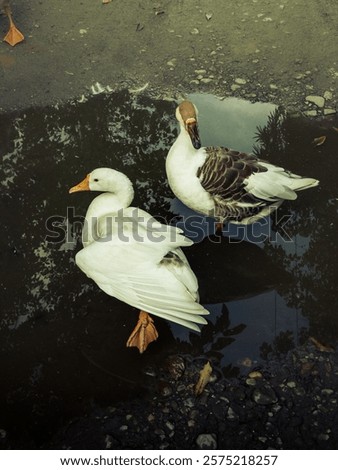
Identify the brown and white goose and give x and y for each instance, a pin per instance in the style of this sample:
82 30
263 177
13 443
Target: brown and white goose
226 184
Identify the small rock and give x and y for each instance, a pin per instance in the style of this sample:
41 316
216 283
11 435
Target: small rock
291 384
200 71
251 382
170 425
240 81
264 395
273 86
108 441
255 374
328 111
208 16
311 113
3 434
175 366
323 437
231 414
172 62
235 87
206 441
327 391
328 95
206 80
299 76
194 82
164 389
124 427
319 101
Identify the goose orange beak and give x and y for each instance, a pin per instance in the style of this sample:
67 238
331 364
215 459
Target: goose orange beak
83 186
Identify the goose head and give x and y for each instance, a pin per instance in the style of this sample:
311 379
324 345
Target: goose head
107 180
186 114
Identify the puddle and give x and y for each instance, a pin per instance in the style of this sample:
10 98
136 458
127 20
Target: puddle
62 340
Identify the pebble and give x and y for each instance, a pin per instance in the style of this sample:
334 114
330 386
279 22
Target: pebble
319 101
240 81
273 86
328 111
175 366
327 391
311 113
255 374
291 384
206 80
328 95
206 441
231 414
170 425
172 62
194 82
200 71
264 395
251 382
235 87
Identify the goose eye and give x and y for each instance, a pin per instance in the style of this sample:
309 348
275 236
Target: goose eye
96 180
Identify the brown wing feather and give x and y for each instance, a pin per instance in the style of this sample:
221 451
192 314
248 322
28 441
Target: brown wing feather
223 175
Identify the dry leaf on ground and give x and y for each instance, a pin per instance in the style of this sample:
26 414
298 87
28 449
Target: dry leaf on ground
319 140
203 379
320 346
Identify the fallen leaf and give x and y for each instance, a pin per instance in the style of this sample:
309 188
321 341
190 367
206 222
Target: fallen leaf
320 346
335 129
139 27
319 140
203 378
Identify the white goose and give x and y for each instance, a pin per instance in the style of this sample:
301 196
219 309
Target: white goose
228 185
135 258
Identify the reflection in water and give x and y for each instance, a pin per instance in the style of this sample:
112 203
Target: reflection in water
62 340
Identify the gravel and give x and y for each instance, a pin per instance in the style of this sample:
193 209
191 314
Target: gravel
293 406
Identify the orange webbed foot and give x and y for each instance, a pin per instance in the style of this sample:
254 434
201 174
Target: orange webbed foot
14 36
144 333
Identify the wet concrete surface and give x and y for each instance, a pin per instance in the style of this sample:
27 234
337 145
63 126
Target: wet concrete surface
261 50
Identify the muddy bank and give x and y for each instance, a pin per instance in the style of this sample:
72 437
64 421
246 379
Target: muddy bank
259 50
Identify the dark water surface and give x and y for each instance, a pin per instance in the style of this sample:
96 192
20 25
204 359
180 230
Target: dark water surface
62 341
